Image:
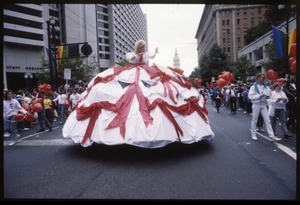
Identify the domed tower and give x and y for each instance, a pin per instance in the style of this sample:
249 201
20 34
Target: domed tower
176 60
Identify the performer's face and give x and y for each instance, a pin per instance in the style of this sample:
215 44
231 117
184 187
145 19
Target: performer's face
141 49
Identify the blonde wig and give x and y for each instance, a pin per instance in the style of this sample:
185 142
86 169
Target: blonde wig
139 46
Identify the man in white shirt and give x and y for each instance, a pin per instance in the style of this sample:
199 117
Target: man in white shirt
258 94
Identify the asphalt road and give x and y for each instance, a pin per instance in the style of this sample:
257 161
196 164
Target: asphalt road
230 167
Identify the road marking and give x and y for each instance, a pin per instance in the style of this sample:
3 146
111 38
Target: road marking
41 142
285 149
52 142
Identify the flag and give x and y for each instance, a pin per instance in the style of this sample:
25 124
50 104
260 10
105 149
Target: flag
53 62
292 38
279 41
59 53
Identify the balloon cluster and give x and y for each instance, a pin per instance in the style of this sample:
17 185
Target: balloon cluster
292 60
273 77
45 88
36 106
224 79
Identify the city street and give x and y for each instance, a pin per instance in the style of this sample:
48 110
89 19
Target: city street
231 166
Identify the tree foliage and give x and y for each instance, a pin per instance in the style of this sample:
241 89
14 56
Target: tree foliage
273 62
81 69
243 68
211 64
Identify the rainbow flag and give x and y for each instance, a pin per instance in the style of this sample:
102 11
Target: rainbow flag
59 53
279 42
292 38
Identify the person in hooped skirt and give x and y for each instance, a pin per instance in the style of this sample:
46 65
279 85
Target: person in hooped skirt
140 105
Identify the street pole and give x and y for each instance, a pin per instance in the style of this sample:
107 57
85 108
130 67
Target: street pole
50 53
287 44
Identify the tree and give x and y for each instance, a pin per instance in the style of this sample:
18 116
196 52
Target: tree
211 64
80 70
243 68
273 62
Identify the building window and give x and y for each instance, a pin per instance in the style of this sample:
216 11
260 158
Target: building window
223 22
228 31
238 21
224 40
228 40
252 21
228 49
224 49
224 31
239 39
238 31
245 21
228 22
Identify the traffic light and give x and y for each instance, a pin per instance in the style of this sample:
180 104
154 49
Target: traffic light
86 49
73 50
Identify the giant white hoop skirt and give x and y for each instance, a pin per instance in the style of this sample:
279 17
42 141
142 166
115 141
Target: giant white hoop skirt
140 105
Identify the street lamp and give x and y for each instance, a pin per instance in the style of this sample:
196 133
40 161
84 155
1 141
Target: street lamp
28 77
53 33
288 11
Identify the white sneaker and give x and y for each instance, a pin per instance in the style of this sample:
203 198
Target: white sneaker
253 136
18 135
6 135
26 128
273 138
262 129
12 143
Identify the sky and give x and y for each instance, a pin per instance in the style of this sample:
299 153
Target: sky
172 26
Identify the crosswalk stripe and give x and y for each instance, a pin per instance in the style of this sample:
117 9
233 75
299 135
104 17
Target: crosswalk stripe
44 142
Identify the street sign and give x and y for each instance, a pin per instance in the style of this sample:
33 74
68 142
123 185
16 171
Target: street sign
67 74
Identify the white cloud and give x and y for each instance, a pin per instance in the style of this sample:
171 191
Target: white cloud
172 26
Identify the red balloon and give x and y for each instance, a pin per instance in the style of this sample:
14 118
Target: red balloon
272 75
293 50
26 107
226 76
19 117
29 117
221 82
38 100
231 77
66 105
281 81
291 60
37 107
293 67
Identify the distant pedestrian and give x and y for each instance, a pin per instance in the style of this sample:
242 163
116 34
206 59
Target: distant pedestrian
218 98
